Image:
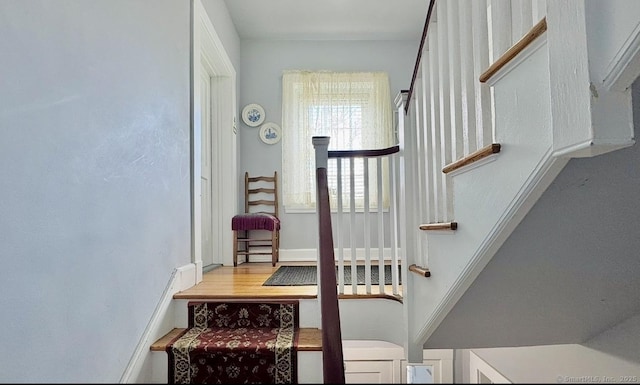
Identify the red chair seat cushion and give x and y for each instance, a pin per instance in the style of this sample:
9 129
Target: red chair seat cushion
257 221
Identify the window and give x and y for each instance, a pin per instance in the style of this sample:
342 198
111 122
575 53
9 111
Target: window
353 109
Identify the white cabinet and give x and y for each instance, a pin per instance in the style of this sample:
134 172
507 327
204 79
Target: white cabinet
369 372
381 362
441 362
480 372
372 362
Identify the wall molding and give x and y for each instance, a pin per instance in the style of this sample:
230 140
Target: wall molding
479 367
541 177
311 255
162 320
624 68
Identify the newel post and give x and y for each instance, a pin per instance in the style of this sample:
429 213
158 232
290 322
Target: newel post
407 228
321 145
332 356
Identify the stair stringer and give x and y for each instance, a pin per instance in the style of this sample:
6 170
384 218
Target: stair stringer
585 80
489 201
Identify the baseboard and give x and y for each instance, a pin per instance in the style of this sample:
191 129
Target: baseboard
311 255
162 320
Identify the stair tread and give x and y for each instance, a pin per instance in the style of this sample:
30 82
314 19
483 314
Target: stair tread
161 344
439 226
309 339
482 153
423 271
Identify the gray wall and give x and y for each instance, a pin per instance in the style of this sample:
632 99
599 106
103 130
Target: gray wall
622 340
262 63
94 163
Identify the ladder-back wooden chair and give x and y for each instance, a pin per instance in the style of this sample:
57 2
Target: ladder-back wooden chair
260 216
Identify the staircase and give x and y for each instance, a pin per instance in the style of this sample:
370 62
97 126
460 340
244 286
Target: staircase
236 342
503 95
239 341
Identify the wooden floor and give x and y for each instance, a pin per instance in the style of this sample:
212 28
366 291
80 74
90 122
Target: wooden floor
245 282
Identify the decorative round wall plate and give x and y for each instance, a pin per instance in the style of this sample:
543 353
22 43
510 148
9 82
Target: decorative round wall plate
253 115
270 133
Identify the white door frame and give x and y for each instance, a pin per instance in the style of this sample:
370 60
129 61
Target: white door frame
207 49
207 77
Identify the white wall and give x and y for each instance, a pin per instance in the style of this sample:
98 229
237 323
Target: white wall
559 364
379 319
262 63
94 163
612 23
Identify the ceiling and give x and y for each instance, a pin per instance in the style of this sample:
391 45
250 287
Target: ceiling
329 19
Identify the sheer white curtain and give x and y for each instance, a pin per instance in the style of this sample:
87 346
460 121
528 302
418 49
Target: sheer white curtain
352 108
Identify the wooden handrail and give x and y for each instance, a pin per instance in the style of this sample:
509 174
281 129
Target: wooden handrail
484 152
363 153
527 39
332 357
417 65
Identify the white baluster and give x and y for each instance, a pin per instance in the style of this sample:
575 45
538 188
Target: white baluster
499 16
420 128
339 223
483 98
455 93
367 229
352 225
538 11
381 229
517 23
434 97
445 107
395 218
468 78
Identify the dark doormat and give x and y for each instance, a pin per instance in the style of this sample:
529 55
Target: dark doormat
307 275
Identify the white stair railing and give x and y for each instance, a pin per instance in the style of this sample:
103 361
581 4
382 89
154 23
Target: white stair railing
450 117
364 198
451 110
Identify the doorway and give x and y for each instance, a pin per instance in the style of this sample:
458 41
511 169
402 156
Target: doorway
213 146
206 178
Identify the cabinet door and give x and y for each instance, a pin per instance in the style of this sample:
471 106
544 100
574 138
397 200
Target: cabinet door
368 372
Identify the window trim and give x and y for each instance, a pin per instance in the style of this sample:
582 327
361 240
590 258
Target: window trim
375 131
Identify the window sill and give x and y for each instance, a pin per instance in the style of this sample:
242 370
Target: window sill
333 211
